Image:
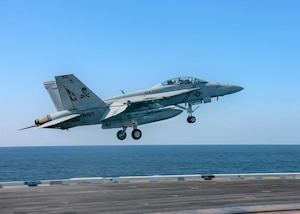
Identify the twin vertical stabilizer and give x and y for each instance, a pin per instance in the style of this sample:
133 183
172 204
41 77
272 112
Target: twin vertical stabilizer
54 94
68 93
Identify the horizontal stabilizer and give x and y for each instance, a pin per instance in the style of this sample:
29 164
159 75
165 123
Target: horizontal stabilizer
58 121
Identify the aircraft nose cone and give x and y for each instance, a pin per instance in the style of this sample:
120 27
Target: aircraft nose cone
235 88
238 88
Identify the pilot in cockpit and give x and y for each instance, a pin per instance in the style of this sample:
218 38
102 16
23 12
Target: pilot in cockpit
171 82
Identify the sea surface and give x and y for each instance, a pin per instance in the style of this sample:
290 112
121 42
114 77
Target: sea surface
64 162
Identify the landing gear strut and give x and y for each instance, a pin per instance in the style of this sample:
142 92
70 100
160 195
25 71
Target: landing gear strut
191 118
190 111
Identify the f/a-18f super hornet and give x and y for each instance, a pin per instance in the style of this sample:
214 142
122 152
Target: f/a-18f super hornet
77 105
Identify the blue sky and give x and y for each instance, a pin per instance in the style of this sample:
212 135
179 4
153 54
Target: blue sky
132 45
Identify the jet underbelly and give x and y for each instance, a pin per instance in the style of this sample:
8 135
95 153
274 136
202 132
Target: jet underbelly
140 117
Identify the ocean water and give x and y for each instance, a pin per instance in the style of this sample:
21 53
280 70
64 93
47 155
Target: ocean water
63 162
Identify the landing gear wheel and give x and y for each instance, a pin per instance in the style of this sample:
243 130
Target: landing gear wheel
121 135
191 119
136 134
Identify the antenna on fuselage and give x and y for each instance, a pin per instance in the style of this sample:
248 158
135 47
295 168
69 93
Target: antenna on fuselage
122 92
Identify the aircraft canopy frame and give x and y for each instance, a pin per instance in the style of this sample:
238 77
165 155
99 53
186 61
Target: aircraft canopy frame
183 80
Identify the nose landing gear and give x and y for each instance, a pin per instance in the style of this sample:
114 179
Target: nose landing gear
190 111
191 118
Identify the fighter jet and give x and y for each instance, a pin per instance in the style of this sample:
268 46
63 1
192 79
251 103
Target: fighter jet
77 105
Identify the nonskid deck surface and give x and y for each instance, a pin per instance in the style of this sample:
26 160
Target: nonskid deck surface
195 196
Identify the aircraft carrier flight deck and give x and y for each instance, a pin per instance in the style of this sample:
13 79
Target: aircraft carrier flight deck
243 193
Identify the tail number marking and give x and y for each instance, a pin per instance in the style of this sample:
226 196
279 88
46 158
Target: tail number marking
88 114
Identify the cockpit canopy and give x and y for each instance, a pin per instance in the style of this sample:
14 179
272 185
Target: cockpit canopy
183 80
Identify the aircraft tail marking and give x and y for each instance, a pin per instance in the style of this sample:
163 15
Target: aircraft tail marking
75 95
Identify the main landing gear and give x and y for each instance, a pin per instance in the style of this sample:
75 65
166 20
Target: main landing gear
121 135
136 134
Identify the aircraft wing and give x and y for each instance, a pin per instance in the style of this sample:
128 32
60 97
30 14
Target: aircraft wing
150 101
58 121
116 108
160 96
